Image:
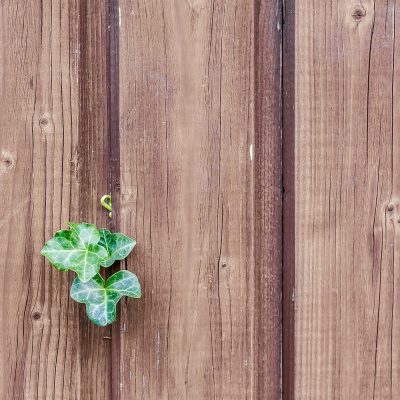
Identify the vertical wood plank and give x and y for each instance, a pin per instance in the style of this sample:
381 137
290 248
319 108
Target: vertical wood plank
289 211
268 198
192 150
94 153
38 137
53 169
347 195
114 170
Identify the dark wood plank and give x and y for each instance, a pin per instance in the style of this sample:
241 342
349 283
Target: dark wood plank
114 171
193 193
268 198
347 194
289 206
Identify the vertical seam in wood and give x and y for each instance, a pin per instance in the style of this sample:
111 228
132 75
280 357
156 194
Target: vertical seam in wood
288 211
113 107
114 170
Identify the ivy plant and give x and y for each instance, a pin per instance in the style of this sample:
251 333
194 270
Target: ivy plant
101 297
84 249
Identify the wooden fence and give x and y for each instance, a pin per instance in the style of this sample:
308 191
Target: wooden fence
252 150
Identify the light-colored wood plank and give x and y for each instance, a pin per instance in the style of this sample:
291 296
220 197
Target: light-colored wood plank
347 194
189 163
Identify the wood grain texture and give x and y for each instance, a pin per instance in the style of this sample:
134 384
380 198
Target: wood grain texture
53 168
347 200
93 169
38 137
289 210
189 165
268 198
185 133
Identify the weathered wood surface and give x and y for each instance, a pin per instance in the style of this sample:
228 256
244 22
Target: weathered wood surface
200 191
185 132
268 198
288 190
347 200
53 168
39 101
175 107
94 179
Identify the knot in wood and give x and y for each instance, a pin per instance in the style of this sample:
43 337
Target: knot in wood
46 124
43 121
6 160
358 13
36 315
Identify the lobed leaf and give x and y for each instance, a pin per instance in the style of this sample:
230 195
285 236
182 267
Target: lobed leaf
84 249
101 297
85 233
76 249
102 314
118 246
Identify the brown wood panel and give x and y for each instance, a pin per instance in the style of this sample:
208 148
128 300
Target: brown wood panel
347 193
200 191
53 167
39 101
268 198
185 133
93 161
289 211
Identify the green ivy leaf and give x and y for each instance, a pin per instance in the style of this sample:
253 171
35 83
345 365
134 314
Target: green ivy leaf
86 233
118 246
101 297
76 249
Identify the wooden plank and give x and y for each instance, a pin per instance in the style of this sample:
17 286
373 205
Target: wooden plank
347 200
189 164
288 212
52 169
94 155
39 101
268 198
114 170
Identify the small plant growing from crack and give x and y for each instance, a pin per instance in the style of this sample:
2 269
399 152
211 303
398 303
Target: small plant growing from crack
84 249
